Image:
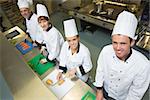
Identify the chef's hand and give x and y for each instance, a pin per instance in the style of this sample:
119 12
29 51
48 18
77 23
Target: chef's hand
42 49
45 53
99 95
26 36
72 72
34 44
43 61
59 76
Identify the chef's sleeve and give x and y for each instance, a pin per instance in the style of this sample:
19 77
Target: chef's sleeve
86 65
99 78
63 59
54 47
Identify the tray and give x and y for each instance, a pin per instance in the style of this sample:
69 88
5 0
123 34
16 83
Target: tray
24 46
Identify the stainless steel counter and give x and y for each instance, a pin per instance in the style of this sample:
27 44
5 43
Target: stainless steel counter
26 84
22 81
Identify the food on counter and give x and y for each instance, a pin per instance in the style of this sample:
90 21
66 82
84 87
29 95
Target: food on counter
60 82
24 45
49 82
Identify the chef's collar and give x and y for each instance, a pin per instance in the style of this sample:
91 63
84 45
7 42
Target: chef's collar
77 48
128 55
50 26
30 16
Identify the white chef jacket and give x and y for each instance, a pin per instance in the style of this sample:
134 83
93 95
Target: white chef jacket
123 80
82 58
54 41
33 27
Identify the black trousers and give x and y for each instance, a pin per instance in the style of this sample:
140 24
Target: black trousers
106 95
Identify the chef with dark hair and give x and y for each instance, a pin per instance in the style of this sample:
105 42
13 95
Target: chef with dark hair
52 40
75 58
123 73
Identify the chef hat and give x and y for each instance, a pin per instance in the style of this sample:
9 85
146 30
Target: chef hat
30 2
23 4
41 10
70 28
126 24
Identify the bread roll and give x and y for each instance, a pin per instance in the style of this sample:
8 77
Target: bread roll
61 82
49 82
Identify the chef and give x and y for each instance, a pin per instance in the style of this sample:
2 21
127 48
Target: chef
123 73
51 37
32 26
74 57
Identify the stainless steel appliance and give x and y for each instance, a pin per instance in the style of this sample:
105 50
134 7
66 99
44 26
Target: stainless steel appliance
102 12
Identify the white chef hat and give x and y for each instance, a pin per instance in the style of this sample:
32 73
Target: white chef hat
23 4
126 24
70 28
30 2
41 10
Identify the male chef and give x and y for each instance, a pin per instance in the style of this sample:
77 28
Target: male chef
32 27
123 73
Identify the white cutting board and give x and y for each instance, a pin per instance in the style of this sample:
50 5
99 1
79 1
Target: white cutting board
59 90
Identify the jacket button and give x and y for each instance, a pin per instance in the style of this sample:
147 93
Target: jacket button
119 79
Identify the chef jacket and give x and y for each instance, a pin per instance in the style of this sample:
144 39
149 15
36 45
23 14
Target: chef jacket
53 40
123 80
81 60
33 27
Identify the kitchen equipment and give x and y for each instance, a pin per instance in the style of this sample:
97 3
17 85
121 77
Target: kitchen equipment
144 41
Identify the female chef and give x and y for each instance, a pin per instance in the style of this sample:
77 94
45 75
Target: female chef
51 37
32 26
123 73
74 57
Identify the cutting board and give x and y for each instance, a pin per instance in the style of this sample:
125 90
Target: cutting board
59 90
38 67
24 46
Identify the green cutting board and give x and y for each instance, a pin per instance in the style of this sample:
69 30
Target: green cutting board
89 96
38 67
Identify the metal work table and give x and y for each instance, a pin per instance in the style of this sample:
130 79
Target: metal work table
22 81
104 18
83 13
27 84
